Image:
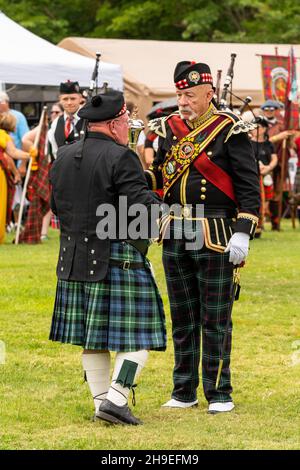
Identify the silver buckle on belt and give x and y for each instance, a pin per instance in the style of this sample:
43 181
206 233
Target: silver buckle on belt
126 265
186 212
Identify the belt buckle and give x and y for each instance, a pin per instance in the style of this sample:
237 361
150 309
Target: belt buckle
126 265
186 212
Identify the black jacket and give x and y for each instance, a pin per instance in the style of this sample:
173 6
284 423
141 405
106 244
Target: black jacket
231 150
81 181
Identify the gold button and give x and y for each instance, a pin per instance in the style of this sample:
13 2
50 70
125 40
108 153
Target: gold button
174 137
202 197
203 190
209 153
203 181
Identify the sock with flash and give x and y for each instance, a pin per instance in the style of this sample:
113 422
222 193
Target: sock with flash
97 372
127 368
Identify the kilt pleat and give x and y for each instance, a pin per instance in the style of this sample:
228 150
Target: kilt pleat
124 312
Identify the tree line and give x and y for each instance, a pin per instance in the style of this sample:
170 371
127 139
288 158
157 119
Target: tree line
248 21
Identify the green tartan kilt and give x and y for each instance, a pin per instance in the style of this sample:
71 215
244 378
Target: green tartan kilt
123 312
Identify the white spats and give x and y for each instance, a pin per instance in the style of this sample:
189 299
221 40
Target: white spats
118 394
97 370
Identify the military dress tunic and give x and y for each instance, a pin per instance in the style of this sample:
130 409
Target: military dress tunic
106 296
199 279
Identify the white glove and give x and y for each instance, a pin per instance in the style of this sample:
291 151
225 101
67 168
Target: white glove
238 247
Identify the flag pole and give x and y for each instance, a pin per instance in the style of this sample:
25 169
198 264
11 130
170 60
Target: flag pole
35 145
282 173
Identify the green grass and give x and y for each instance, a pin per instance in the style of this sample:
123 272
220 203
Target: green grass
44 403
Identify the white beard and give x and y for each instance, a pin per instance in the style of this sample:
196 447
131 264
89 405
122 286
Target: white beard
191 117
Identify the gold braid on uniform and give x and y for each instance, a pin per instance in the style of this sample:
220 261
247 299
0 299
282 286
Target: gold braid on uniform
246 215
153 179
252 218
204 117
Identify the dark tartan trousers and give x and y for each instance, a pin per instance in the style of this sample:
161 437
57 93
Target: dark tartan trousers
199 282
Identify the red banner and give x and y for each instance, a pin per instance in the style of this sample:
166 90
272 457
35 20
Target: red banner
275 71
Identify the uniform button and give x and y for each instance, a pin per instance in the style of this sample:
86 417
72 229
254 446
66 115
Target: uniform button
202 197
91 272
86 239
203 190
203 181
61 269
209 153
64 249
94 261
92 251
174 137
61 258
69 238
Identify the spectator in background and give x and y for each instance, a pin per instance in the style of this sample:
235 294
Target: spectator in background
21 128
21 123
9 174
56 111
27 141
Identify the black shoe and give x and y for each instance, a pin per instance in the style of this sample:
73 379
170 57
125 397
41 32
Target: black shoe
115 414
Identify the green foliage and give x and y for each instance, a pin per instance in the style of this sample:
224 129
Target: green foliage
191 20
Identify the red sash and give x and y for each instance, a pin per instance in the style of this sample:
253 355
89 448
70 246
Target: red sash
215 175
178 127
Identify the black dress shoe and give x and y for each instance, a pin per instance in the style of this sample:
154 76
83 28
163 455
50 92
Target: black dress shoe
115 414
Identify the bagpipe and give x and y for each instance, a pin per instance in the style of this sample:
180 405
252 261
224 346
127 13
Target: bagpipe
222 103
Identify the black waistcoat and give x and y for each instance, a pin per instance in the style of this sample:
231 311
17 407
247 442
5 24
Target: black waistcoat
59 133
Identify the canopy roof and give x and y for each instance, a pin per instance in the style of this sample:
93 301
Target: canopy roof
30 60
150 64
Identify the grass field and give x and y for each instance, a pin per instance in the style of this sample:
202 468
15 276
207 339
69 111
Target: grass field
44 403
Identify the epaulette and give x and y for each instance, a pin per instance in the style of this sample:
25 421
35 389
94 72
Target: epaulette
229 114
239 127
158 125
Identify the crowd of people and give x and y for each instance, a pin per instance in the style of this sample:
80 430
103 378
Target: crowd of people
16 141
193 155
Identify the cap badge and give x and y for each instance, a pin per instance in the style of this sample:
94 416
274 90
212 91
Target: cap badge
194 76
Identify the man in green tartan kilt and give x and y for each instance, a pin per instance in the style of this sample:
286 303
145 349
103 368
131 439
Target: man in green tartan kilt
206 168
106 297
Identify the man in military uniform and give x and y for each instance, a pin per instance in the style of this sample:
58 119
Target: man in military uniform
204 157
66 129
106 298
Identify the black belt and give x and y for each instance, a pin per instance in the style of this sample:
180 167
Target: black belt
209 213
125 265
140 245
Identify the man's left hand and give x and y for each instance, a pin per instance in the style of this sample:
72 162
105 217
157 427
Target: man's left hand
238 247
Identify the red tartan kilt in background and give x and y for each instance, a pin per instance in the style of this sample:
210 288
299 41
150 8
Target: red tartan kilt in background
269 192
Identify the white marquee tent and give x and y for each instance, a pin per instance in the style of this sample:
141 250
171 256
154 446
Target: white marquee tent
30 60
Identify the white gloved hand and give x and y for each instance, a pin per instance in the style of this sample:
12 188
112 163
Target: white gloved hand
238 247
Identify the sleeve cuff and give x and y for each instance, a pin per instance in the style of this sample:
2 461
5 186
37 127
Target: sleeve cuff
246 223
